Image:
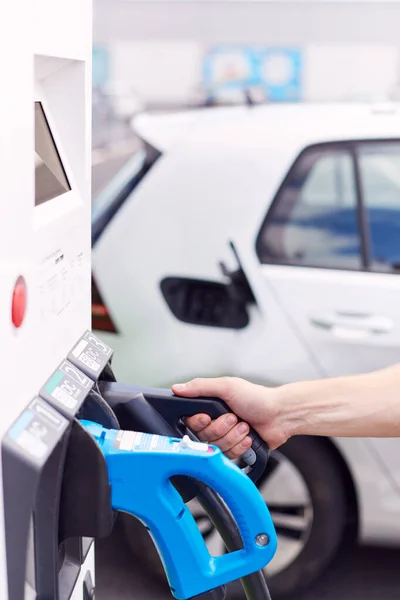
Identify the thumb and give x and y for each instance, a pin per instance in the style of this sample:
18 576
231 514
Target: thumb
218 386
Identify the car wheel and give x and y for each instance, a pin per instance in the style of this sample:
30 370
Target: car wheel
304 490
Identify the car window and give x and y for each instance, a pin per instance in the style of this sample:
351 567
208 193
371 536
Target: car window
314 218
110 200
380 183
108 194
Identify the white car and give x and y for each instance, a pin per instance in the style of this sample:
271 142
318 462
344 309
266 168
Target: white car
301 204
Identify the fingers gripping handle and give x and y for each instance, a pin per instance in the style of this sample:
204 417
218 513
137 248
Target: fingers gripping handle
256 456
174 408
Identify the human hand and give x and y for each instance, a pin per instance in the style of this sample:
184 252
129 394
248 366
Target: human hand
255 404
364 405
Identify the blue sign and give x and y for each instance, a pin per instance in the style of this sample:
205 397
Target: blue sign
100 66
230 67
280 73
276 71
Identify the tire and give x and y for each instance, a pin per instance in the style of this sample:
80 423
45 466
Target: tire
320 474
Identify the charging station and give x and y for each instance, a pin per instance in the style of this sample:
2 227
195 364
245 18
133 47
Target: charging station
67 468
45 153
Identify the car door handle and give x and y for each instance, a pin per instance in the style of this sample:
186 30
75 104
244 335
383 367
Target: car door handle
361 322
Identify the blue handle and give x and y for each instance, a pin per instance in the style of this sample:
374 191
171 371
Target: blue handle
140 467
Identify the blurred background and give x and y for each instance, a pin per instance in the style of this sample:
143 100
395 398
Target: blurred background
164 56
170 54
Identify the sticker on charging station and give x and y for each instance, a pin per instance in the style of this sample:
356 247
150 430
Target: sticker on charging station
90 355
67 388
37 430
135 440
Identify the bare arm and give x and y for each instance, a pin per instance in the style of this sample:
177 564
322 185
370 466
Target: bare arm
357 406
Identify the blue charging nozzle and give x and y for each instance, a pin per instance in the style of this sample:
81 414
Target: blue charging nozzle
139 469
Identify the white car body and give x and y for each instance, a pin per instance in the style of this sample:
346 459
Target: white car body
217 176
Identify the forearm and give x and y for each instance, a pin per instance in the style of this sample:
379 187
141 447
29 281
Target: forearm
359 406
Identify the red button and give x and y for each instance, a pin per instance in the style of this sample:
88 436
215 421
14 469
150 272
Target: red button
18 306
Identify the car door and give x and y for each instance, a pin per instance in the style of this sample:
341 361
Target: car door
329 252
330 249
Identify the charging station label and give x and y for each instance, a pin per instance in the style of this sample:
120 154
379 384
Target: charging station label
90 355
37 430
146 442
67 388
135 440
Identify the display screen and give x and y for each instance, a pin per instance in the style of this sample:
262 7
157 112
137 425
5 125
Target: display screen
50 177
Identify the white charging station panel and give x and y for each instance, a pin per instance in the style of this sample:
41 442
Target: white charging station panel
45 157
